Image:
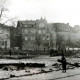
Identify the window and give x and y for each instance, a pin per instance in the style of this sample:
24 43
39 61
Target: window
32 38
26 31
2 43
7 36
43 38
43 31
48 37
39 31
41 25
33 31
5 43
26 38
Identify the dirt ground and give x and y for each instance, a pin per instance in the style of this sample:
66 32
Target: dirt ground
51 71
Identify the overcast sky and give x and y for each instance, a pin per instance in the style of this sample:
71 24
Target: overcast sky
64 11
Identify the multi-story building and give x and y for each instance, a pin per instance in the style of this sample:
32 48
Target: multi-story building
75 36
32 34
63 33
52 33
40 35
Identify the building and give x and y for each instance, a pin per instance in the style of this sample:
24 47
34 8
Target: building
75 36
63 36
63 32
40 35
32 34
4 36
13 37
52 33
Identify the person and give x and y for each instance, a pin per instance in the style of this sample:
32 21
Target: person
10 52
44 50
63 60
51 52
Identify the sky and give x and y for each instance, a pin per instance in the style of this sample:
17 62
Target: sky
63 11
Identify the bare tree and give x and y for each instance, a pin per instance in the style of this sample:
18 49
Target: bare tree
3 9
4 19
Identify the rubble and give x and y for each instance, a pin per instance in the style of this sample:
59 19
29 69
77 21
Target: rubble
12 75
52 69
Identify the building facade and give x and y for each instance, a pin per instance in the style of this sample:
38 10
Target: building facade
4 36
13 37
53 37
63 33
32 35
40 35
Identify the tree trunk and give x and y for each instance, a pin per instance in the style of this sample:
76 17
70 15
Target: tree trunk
38 47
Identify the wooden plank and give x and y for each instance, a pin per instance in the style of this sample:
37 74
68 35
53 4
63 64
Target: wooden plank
23 64
74 64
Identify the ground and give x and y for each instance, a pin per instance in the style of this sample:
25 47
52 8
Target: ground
49 72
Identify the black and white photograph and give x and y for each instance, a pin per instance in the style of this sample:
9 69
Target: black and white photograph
39 39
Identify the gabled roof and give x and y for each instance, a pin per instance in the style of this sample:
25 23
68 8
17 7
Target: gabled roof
2 26
30 23
26 23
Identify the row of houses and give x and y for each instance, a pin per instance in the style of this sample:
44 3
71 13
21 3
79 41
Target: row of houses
39 35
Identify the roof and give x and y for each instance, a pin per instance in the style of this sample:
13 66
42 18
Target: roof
76 28
62 26
2 26
30 23
26 24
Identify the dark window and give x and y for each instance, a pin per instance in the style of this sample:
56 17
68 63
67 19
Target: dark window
2 43
5 43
